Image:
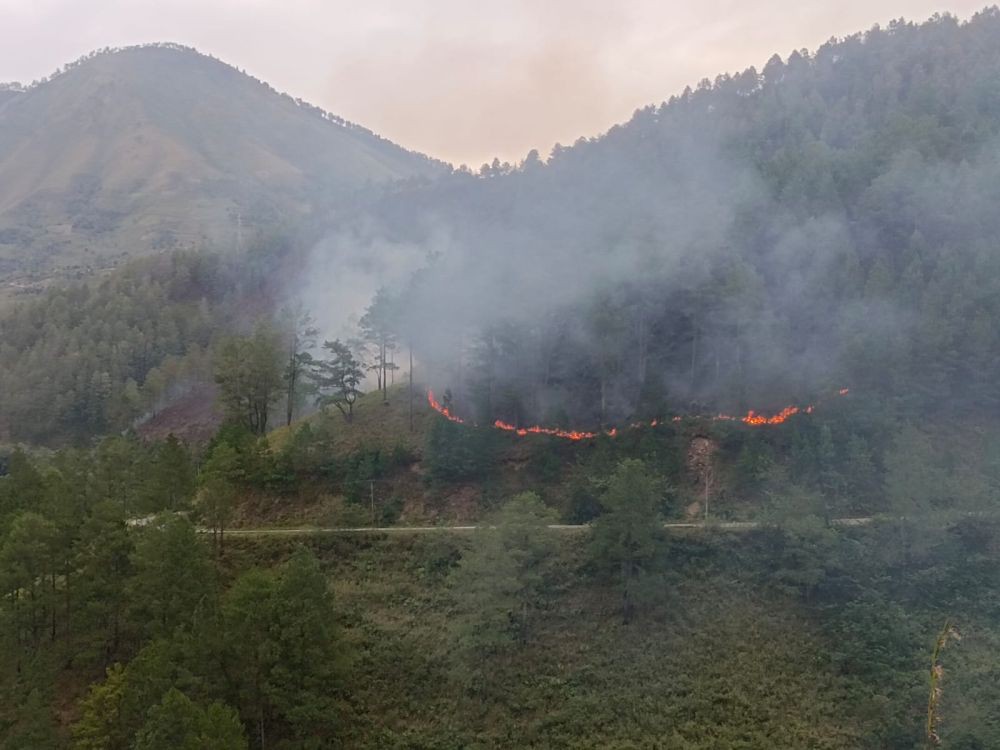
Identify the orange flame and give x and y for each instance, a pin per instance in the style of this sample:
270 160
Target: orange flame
536 430
442 410
752 418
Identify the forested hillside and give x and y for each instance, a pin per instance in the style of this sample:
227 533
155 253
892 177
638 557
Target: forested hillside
761 240
152 636
672 569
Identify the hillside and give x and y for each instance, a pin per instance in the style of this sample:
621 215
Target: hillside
762 240
714 458
759 240
156 148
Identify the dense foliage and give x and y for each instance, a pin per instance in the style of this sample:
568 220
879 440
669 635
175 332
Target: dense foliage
91 359
526 631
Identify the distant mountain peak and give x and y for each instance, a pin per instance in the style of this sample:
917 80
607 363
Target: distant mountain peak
138 149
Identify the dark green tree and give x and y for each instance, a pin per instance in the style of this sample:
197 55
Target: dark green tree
176 723
499 583
172 576
218 489
282 651
170 478
248 371
337 378
628 534
102 562
28 570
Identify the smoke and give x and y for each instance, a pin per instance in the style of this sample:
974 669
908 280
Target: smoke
347 267
704 256
510 270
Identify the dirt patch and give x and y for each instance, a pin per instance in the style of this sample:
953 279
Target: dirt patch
193 417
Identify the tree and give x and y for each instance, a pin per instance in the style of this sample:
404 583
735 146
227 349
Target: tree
627 536
170 480
500 581
102 562
300 335
218 489
248 372
36 728
173 575
115 710
176 723
27 575
21 489
281 648
378 326
606 328
916 482
101 725
116 471
337 379
457 452
310 658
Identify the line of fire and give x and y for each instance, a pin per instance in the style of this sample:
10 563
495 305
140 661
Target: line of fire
751 418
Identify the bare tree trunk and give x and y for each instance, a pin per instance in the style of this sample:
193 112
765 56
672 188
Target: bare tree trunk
68 601
626 598
292 377
52 632
642 347
385 378
739 353
694 351
411 386
492 360
604 399
708 486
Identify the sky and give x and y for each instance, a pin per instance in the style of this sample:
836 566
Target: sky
462 81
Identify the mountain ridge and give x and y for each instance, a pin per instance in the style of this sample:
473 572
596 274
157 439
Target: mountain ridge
161 147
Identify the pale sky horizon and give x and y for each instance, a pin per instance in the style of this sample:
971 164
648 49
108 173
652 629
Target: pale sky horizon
462 82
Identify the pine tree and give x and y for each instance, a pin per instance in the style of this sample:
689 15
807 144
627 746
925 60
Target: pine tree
628 535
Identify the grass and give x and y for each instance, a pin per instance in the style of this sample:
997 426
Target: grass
717 659
375 424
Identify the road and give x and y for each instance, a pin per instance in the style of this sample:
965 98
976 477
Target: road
561 527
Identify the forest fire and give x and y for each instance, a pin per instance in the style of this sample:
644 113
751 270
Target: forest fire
752 418
441 409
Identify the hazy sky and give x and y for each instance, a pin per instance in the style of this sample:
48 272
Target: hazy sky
461 80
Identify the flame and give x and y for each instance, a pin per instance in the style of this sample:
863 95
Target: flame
442 410
536 430
752 418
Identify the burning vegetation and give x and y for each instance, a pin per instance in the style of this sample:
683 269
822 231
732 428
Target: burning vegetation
752 419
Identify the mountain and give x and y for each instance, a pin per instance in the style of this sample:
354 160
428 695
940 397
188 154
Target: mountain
759 242
160 147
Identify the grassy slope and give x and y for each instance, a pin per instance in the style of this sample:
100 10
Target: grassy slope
375 424
720 662
549 466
